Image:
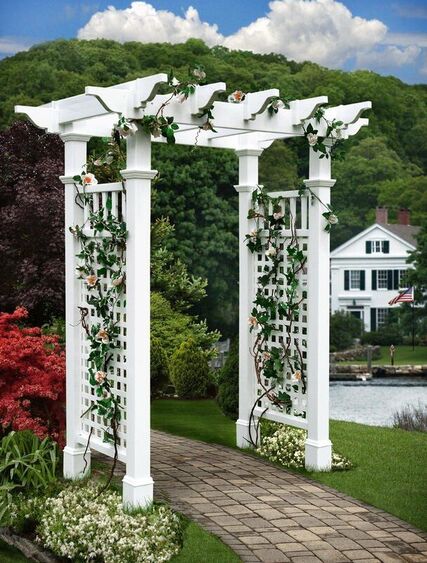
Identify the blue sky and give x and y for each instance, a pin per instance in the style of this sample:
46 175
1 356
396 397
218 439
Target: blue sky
389 37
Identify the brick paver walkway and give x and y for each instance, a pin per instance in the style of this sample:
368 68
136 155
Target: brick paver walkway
265 513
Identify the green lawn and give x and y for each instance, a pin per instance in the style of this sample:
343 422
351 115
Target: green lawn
404 355
390 464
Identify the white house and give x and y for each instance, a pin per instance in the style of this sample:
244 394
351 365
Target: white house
369 269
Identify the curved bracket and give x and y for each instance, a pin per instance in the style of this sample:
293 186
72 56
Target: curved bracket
304 109
43 117
204 96
257 102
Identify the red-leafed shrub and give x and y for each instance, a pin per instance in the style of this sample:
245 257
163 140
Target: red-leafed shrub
32 379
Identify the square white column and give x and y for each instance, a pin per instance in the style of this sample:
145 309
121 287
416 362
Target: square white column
248 182
75 465
318 447
137 483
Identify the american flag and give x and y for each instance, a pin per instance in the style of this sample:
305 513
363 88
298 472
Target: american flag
406 296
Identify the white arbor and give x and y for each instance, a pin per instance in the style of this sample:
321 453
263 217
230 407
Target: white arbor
248 129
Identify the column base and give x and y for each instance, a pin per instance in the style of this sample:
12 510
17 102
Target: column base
137 492
318 455
74 464
243 439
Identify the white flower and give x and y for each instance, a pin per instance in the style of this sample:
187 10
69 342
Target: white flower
199 73
91 280
100 376
332 219
175 82
278 215
266 355
89 180
236 97
126 127
311 139
271 251
277 104
296 376
253 233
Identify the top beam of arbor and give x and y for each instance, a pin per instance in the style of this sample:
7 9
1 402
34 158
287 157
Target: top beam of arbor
95 112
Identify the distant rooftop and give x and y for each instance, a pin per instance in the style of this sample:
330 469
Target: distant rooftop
406 232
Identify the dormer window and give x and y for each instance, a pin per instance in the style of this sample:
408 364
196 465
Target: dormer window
377 247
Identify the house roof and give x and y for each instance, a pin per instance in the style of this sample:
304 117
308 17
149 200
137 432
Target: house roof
406 232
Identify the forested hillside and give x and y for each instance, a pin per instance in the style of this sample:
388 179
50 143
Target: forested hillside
385 164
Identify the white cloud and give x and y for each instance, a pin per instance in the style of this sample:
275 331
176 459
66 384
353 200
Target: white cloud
12 45
142 22
419 39
390 57
322 31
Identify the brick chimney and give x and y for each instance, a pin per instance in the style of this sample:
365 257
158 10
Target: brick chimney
403 216
381 215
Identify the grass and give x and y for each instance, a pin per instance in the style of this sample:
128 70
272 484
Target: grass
203 546
390 464
10 554
404 355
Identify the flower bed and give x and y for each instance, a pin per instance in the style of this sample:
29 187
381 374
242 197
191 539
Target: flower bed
82 525
286 445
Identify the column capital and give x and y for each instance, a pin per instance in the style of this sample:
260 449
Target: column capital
75 137
67 180
319 183
130 174
249 152
243 188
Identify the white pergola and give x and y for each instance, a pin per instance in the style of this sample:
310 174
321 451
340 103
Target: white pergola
248 129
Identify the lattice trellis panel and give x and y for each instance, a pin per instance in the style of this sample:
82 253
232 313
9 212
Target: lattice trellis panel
292 334
117 366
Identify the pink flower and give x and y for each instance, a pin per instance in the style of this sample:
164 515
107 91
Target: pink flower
236 97
117 281
266 355
91 280
103 336
253 321
89 180
100 376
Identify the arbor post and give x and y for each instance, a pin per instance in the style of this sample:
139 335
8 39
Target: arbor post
137 483
75 151
248 182
318 447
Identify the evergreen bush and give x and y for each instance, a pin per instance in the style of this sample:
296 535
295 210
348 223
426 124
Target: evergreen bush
228 383
159 365
190 371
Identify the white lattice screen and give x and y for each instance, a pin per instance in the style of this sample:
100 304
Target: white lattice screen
117 372
296 213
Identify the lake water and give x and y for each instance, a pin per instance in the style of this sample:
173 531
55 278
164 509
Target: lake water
374 402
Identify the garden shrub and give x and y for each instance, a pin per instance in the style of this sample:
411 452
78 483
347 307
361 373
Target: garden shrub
228 383
385 336
411 418
32 379
82 525
344 328
286 445
190 371
175 327
159 366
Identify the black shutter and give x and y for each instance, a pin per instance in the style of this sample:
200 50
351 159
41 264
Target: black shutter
362 279
389 279
374 279
346 280
373 319
386 246
395 279
368 247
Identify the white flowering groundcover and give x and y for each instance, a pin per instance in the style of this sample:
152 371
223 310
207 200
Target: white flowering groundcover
80 525
285 445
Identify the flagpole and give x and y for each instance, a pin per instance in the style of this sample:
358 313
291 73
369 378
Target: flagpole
413 325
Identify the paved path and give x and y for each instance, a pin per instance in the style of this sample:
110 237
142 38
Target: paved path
265 513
